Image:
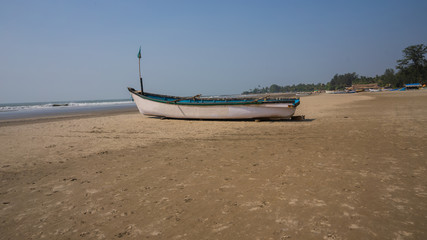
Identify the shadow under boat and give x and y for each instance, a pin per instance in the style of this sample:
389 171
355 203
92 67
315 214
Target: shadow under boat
299 118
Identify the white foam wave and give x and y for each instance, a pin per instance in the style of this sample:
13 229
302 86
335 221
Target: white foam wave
20 107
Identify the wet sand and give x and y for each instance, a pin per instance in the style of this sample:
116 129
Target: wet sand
355 169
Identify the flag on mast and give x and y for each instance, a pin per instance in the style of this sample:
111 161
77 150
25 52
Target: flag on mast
139 53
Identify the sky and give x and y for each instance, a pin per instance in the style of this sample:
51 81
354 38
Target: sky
87 50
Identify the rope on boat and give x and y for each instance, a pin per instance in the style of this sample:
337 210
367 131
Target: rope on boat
187 98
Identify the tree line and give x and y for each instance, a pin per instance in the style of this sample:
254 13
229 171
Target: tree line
412 68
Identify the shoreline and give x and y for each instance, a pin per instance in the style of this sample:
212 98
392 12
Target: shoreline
66 115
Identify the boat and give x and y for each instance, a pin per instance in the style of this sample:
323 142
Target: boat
215 108
335 92
198 107
374 90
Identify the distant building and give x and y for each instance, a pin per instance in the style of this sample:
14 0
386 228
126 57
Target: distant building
413 86
363 87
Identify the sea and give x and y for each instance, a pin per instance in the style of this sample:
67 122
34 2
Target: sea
9 111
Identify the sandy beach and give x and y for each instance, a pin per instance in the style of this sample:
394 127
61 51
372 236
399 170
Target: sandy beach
354 169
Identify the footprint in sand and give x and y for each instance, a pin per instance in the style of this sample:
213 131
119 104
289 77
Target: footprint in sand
315 203
91 191
220 227
400 235
293 201
354 226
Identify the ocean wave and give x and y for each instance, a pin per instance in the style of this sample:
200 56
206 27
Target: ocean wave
35 106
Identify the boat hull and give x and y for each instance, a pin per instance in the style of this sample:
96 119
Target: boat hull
219 111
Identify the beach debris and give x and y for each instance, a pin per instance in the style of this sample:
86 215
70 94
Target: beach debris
187 199
72 179
59 104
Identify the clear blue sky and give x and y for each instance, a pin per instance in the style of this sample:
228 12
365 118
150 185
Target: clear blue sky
77 50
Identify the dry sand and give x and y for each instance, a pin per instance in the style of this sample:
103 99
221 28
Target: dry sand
355 169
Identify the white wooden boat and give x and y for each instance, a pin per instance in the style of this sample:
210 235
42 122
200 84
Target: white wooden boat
197 107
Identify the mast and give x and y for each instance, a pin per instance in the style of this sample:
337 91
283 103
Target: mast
140 76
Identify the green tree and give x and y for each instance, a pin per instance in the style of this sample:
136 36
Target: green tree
339 82
274 88
389 78
413 65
